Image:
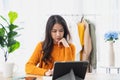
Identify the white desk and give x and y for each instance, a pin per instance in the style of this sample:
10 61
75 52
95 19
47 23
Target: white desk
100 76
108 69
89 76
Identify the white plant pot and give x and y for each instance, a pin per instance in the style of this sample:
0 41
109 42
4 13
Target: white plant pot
8 69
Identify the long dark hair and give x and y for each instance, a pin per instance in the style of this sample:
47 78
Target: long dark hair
48 42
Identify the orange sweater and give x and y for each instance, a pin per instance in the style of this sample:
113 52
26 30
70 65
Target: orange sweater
59 53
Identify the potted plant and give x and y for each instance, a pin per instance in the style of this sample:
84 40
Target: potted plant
8 33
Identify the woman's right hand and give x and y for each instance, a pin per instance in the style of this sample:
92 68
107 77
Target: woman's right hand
64 42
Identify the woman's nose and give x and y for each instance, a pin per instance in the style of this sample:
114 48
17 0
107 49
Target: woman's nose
58 33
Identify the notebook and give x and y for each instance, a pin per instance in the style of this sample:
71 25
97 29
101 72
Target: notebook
70 70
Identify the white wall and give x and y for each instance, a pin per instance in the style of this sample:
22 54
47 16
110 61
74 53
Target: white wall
33 15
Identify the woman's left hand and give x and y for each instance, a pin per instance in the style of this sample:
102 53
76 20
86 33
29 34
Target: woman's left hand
49 73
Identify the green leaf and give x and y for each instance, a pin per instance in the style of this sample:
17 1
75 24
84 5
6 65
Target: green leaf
2 37
12 27
3 28
12 16
11 34
11 41
2 32
13 47
2 41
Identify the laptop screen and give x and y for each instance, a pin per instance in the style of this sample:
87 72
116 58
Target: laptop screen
79 69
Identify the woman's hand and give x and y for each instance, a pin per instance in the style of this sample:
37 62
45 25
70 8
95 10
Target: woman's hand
49 73
64 42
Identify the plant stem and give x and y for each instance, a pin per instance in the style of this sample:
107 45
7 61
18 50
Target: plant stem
5 56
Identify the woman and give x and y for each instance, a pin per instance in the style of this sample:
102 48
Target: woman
55 47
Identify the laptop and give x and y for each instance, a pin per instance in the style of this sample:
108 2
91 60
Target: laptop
65 70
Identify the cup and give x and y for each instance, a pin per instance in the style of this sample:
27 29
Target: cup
8 69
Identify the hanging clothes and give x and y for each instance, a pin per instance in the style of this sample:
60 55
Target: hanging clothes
93 53
81 30
85 40
92 58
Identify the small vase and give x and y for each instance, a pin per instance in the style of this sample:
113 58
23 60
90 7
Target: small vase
111 54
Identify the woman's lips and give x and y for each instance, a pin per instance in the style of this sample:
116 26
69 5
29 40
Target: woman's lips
58 39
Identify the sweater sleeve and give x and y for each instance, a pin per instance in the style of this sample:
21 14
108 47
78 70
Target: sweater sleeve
70 53
31 65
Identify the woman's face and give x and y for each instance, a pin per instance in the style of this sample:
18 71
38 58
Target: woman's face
57 32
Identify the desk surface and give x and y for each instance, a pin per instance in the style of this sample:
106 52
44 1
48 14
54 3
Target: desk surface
89 76
112 67
100 76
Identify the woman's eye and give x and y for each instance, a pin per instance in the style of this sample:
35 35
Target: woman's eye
61 30
53 31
